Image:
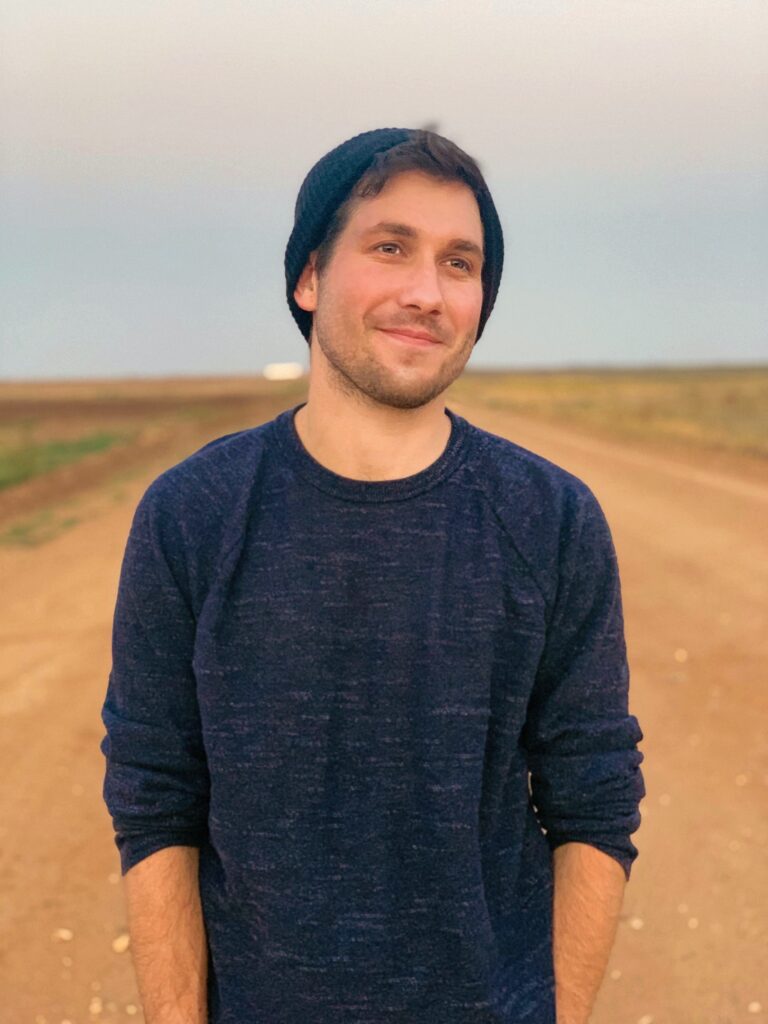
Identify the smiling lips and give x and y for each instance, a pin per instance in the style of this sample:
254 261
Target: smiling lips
410 337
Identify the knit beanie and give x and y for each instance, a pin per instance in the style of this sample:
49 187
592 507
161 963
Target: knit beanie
330 182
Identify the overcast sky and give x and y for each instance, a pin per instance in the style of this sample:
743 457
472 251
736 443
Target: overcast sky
152 152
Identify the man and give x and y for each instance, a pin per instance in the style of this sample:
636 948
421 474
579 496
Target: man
369 756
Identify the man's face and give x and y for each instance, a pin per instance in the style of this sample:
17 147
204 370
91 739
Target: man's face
409 260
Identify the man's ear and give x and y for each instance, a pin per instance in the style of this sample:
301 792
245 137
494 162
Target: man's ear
305 292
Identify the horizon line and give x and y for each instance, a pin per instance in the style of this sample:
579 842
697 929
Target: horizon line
503 369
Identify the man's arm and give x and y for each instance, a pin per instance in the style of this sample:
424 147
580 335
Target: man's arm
156 783
168 941
581 745
589 889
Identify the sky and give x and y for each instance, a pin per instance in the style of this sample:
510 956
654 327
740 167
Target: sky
152 153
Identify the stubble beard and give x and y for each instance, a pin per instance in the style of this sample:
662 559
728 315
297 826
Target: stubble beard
368 382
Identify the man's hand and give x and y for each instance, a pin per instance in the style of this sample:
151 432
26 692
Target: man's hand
168 941
589 889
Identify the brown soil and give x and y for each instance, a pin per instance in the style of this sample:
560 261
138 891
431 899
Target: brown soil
692 548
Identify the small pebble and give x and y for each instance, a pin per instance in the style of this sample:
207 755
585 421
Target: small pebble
636 923
121 943
616 974
646 1019
693 923
66 961
682 908
754 1007
95 1006
64 934
39 1019
681 655
665 799
741 780
131 1010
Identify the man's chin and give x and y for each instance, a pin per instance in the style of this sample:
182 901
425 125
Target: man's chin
407 401
403 397
375 380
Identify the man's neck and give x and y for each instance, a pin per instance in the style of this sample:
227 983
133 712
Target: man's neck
381 443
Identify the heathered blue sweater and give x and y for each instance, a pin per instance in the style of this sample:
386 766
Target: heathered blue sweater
376 708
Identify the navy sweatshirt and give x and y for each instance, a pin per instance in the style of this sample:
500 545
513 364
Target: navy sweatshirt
375 707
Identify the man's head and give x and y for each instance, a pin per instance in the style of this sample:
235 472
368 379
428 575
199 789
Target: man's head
360 168
393 270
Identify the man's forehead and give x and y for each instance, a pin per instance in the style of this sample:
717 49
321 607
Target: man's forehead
405 211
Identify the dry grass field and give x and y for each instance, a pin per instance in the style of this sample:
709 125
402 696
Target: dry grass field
721 410
62 441
679 462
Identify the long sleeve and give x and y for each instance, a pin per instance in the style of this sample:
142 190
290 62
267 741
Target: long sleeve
156 782
581 743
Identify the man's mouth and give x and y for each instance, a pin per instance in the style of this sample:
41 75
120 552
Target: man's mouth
421 339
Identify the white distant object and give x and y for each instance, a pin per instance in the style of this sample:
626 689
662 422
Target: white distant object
283 371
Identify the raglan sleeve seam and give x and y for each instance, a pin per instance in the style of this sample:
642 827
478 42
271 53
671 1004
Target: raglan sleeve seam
507 533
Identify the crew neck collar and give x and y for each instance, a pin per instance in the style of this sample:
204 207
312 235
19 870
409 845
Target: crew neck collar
350 489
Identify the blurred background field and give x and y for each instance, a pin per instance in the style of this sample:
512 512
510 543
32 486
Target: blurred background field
58 439
714 408
63 441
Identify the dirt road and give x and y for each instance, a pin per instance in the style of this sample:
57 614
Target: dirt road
693 552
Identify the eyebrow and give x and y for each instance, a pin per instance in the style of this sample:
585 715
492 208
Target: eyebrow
405 231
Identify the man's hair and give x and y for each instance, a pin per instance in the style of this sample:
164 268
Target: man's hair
424 151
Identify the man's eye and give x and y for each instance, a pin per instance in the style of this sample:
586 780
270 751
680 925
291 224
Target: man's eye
388 245
463 263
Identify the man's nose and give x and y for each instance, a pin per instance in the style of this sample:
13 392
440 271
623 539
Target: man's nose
421 287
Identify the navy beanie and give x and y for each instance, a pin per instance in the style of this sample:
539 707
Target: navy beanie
329 183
